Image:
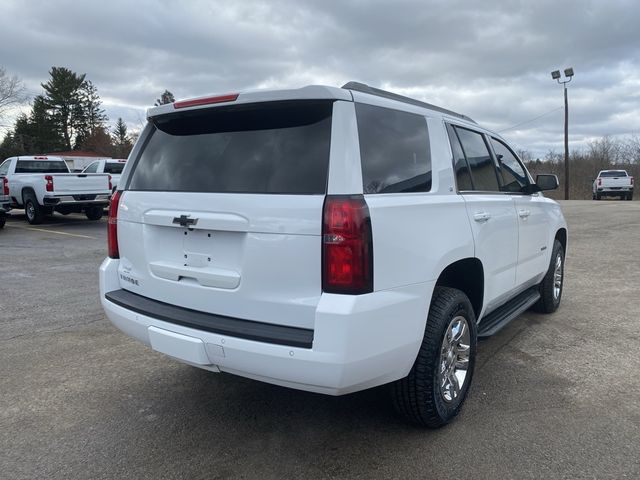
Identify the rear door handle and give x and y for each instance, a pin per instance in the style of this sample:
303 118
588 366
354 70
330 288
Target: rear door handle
524 213
481 217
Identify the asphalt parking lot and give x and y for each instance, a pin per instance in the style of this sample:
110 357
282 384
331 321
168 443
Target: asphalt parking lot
553 396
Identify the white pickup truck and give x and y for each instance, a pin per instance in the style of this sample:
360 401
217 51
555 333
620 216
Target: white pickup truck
4 200
42 185
112 167
613 183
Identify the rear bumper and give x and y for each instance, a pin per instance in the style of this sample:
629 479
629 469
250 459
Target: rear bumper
358 341
614 191
77 200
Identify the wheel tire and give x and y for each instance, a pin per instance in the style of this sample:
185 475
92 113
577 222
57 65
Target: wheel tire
549 296
630 197
94 213
3 220
32 210
419 396
598 196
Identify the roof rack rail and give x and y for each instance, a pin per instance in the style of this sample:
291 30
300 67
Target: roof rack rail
364 88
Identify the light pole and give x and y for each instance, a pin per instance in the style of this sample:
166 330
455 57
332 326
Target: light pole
568 74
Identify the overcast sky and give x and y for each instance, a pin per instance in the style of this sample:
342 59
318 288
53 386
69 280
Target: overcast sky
490 60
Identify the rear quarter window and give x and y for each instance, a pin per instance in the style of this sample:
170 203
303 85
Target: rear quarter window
394 150
274 147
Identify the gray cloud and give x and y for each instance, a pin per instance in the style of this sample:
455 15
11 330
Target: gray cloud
490 60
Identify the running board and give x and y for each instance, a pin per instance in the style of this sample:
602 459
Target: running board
501 316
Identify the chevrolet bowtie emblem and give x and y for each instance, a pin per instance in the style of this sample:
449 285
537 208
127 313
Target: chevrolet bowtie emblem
185 221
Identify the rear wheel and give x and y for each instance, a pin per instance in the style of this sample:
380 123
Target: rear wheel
94 213
32 210
598 196
437 385
552 283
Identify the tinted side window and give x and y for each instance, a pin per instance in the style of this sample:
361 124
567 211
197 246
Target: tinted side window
394 150
93 168
513 174
483 170
463 177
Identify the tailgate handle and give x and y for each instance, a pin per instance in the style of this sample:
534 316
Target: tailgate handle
229 222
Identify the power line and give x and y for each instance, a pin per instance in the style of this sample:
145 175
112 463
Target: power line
531 120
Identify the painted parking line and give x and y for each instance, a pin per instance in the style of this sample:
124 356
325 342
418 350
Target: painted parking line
46 230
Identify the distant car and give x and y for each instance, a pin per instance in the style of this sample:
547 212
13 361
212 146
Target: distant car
613 183
112 167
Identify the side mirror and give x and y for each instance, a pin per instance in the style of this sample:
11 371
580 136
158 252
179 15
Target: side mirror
547 182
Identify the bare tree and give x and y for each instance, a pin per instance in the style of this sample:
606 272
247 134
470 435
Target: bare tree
12 92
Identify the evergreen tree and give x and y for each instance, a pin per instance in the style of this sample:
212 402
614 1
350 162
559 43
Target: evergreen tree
166 97
88 114
62 98
121 141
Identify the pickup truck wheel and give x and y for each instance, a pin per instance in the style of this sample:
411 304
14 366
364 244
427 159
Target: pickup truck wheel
437 385
32 210
94 213
552 283
3 219
597 196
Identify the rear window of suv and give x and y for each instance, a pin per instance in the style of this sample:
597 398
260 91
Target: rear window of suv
394 150
277 147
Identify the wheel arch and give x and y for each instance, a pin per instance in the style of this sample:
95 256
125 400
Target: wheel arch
27 190
561 236
466 275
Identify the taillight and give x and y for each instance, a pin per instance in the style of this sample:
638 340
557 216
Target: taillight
112 226
599 182
347 245
5 186
110 186
49 180
631 183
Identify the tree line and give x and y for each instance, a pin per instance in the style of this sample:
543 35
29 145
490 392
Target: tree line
67 115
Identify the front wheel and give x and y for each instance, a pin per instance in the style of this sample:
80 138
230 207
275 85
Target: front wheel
437 385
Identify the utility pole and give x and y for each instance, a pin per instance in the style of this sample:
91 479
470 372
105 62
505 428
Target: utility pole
568 73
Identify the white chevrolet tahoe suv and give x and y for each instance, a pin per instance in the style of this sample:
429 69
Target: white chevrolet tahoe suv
329 240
